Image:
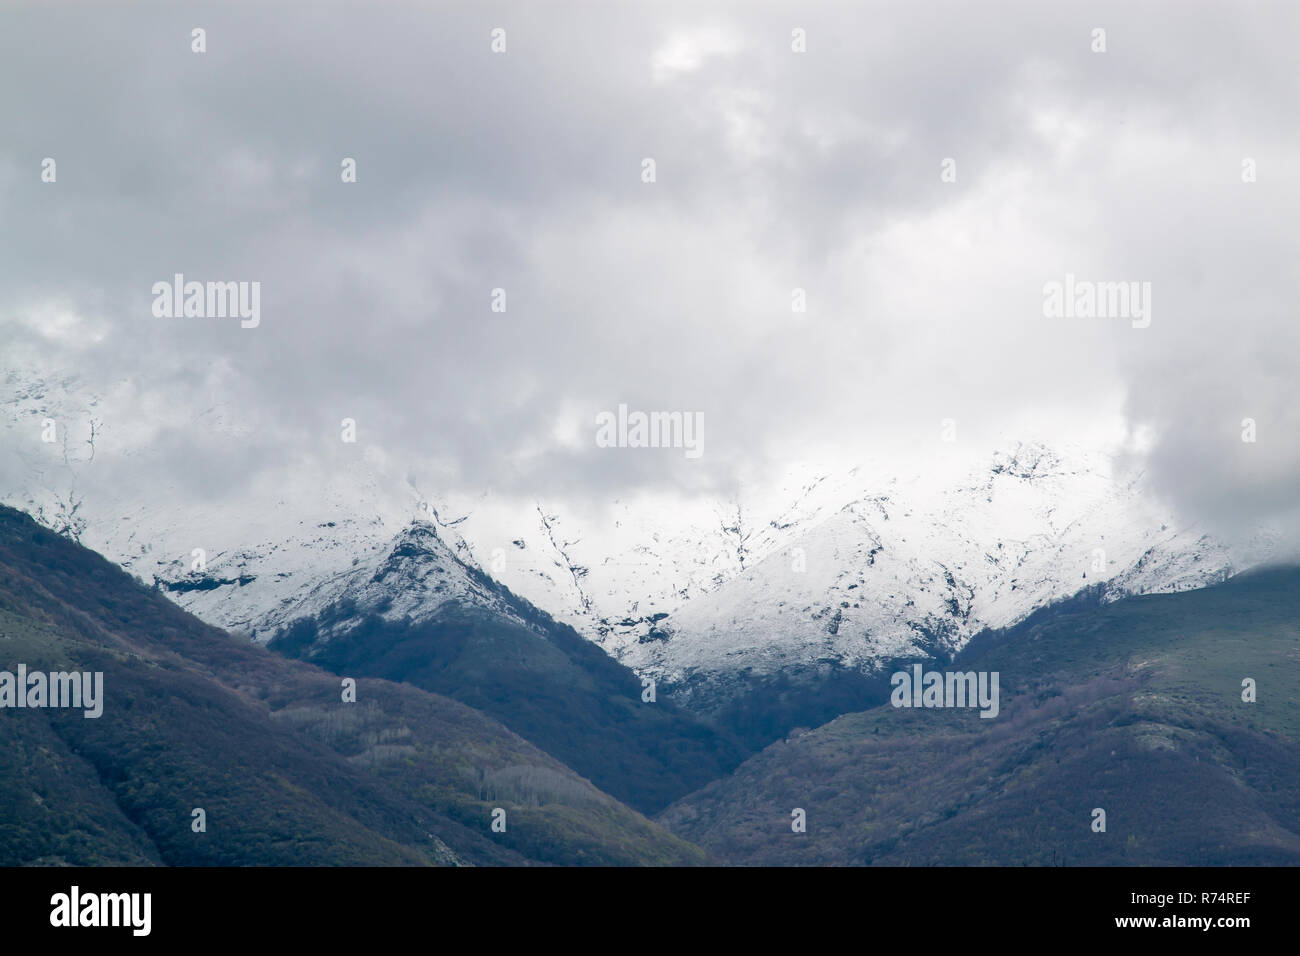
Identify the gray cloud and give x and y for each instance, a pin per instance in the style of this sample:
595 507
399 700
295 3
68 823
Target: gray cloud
775 171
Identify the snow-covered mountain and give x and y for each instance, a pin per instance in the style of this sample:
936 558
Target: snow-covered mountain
859 568
848 568
890 574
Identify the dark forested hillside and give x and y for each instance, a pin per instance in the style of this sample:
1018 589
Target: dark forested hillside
1135 708
285 771
540 678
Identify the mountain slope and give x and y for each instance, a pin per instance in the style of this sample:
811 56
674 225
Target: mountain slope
1134 707
286 771
415 612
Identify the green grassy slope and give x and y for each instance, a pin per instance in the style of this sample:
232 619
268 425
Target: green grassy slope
1133 707
286 772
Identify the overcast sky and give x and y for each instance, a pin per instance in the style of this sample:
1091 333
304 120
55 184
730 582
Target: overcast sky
775 170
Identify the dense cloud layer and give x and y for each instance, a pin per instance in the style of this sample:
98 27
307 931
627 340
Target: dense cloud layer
775 170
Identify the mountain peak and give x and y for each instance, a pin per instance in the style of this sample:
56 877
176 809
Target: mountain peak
1027 460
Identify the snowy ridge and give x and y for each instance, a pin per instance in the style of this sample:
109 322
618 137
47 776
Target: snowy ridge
850 568
885 578
860 568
